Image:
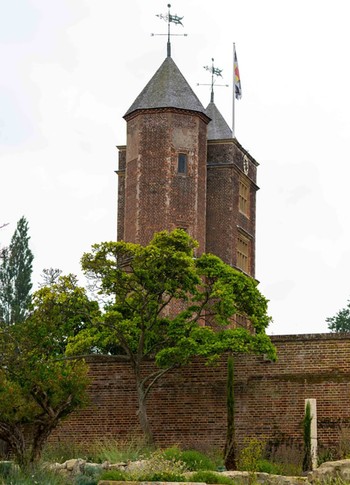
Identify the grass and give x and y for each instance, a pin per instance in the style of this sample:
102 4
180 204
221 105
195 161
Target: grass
170 464
193 460
114 451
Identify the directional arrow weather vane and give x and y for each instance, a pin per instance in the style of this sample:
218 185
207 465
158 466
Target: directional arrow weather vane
175 19
215 71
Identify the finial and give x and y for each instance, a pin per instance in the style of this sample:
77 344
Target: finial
214 72
175 19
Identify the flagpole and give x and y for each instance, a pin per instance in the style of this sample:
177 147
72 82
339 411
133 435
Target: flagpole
233 92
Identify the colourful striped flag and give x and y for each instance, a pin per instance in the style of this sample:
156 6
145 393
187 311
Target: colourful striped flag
237 79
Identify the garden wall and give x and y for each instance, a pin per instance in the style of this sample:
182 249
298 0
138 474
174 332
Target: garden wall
188 406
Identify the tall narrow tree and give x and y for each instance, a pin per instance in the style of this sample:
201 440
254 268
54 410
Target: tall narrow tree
15 276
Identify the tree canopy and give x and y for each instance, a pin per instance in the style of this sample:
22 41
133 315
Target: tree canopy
15 276
39 385
340 322
156 302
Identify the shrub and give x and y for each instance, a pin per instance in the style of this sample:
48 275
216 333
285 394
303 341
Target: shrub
163 477
85 480
112 450
14 475
210 477
192 459
267 466
116 475
90 476
5 468
250 455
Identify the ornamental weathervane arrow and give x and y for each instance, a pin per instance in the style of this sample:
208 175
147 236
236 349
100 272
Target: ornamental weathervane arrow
215 71
175 19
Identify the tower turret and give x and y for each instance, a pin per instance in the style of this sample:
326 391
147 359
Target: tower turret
163 166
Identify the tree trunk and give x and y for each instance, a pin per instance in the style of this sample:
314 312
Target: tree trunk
40 436
14 437
142 409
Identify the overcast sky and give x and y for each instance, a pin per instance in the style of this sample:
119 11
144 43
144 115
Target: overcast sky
70 69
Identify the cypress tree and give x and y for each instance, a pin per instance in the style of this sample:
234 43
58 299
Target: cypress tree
15 276
229 453
307 461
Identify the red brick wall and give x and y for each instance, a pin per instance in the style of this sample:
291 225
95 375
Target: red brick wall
188 406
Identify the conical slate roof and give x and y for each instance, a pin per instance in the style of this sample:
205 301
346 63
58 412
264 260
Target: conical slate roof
218 129
167 89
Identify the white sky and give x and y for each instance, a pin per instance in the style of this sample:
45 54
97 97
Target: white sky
70 69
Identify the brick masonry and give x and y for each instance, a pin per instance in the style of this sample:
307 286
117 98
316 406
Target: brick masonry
188 405
152 195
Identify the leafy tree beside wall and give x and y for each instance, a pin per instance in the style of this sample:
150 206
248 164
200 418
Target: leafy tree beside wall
15 276
156 299
39 385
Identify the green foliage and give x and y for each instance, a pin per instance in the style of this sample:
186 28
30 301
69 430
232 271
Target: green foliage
112 450
341 321
116 475
307 460
251 455
34 476
140 287
267 466
5 468
162 477
90 476
229 451
193 460
156 468
210 477
158 463
39 385
15 276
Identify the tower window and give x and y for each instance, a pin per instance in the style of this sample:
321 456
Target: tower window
243 198
182 163
243 249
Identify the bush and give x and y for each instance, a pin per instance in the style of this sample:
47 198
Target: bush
13 475
210 477
163 477
112 450
90 476
266 466
192 459
85 480
250 455
5 468
117 475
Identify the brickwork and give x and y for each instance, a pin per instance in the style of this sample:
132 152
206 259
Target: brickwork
155 196
121 192
188 406
224 220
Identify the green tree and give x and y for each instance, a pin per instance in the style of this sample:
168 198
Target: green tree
307 459
229 452
39 385
15 276
156 299
341 321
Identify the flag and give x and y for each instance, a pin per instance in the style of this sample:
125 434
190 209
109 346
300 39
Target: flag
237 79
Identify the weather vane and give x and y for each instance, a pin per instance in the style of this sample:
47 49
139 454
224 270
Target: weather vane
175 19
215 71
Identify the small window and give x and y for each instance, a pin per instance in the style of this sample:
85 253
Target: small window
243 250
244 198
182 163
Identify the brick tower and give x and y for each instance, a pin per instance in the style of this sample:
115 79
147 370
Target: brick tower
181 167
